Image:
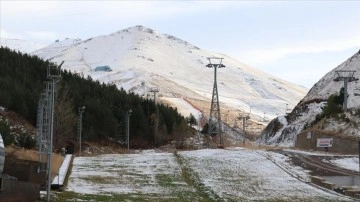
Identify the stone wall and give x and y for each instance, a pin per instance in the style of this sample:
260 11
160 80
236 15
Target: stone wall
341 144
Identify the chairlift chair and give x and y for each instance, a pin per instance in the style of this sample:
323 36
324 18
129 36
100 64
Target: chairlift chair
357 90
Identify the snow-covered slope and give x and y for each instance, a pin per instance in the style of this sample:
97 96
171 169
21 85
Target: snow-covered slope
141 58
326 86
283 131
23 46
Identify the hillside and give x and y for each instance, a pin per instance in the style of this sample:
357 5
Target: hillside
283 130
23 46
141 58
22 80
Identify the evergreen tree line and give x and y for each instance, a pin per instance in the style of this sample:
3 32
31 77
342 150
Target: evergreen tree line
22 80
333 106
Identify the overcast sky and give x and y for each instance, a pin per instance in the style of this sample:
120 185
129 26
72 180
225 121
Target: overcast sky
299 41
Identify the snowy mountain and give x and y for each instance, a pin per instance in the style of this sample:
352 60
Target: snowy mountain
283 130
23 46
141 59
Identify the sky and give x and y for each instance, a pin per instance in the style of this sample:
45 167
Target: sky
298 41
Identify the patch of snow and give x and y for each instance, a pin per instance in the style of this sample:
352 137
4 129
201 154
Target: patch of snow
183 107
60 177
236 174
21 45
351 163
246 175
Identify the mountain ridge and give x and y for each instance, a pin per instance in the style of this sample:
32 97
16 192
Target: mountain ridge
140 55
304 115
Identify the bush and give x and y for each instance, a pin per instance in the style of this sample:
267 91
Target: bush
331 107
26 141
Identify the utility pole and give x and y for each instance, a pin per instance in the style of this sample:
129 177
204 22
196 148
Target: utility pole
144 88
128 113
226 120
346 76
155 90
81 111
215 128
244 119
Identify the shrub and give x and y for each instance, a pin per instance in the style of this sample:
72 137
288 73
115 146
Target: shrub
26 141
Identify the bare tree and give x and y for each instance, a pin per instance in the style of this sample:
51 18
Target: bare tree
65 119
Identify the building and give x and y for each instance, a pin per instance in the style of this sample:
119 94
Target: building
104 68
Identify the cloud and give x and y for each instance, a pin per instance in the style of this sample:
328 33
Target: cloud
41 35
15 8
5 34
126 9
267 56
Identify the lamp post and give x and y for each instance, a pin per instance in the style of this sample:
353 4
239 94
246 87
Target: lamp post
128 113
81 111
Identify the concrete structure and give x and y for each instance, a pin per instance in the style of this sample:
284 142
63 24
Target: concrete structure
59 179
307 140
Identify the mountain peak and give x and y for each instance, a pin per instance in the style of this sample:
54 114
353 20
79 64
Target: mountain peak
138 28
142 29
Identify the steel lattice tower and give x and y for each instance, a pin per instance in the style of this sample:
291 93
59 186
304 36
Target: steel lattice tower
45 123
215 127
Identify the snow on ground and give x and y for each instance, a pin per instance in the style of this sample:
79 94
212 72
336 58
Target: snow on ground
21 45
209 174
351 163
149 173
246 175
295 127
183 107
60 177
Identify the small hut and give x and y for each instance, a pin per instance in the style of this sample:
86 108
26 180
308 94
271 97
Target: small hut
104 68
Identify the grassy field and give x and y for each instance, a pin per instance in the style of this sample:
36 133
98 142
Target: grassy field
202 175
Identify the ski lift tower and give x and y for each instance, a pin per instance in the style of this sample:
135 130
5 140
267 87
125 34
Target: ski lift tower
346 76
45 123
215 127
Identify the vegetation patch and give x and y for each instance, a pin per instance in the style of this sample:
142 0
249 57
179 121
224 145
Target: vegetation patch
191 178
